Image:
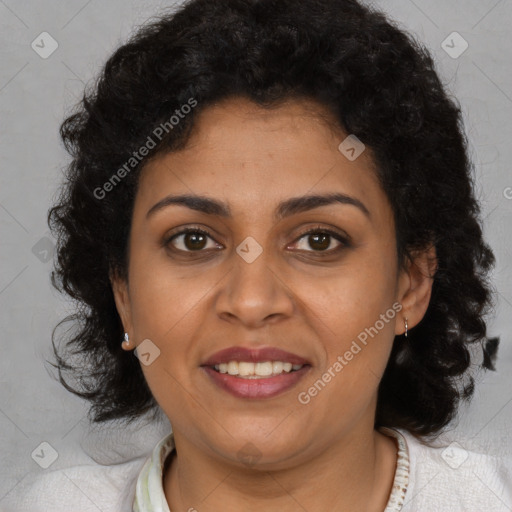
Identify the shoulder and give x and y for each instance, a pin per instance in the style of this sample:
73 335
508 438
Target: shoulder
458 475
86 487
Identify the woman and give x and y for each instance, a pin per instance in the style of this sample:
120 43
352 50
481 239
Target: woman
270 222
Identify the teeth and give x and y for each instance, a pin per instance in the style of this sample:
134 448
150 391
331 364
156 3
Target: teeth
277 367
245 369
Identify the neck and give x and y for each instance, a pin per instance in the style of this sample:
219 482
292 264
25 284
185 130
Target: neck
354 473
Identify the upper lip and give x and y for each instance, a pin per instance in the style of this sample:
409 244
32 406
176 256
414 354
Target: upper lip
254 355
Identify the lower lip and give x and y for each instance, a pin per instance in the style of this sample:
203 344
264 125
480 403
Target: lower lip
256 388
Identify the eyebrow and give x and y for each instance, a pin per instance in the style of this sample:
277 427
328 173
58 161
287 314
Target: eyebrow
284 209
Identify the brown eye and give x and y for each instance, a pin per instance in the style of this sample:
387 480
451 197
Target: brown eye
322 241
194 241
190 240
319 241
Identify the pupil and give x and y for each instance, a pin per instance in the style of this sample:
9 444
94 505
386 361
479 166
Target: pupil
195 239
325 242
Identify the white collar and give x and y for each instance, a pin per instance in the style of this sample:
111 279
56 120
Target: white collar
150 496
149 491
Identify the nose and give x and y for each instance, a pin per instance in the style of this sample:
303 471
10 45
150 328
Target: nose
254 294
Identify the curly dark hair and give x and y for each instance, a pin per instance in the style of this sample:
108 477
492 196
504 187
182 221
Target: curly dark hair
379 83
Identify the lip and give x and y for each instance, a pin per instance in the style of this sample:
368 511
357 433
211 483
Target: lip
256 388
255 355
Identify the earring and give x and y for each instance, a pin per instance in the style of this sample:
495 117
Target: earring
126 342
406 327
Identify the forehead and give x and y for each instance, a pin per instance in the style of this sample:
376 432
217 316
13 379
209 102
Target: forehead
251 156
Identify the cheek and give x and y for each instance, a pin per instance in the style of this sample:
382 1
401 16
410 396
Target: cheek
356 346
163 297
163 312
355 317
354 297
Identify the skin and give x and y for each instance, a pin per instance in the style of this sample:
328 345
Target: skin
298 295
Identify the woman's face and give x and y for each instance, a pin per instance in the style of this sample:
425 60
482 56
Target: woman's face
257 281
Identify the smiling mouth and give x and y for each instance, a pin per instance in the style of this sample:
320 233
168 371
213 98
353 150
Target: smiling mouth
255 373
254 386
258 370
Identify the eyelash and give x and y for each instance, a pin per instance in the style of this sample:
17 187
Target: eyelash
315 230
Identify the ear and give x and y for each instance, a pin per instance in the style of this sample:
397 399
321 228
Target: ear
122 299
415 287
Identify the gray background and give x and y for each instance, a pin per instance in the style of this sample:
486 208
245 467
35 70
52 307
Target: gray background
35 95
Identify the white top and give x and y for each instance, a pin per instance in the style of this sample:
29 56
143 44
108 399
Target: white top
428 479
